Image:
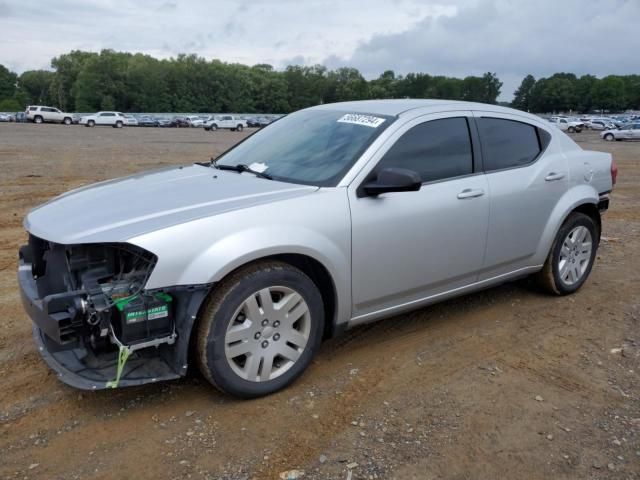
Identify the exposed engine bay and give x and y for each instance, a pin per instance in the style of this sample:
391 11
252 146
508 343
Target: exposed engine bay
89 301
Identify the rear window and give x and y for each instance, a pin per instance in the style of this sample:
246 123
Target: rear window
507 143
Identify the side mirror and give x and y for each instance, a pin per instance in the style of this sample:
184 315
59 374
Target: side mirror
393 179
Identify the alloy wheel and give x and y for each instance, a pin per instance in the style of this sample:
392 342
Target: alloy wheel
267 334
575 255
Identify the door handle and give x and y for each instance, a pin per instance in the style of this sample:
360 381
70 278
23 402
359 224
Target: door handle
553 176
470 193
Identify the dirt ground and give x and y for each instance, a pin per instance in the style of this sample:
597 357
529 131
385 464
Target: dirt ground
507 383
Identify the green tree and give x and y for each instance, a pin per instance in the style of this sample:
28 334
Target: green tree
346 84
36 86
67 67
522 97
8 81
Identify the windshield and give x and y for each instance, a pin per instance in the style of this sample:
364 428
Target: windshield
312 147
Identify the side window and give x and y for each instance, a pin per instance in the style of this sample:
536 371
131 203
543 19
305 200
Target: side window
436 150
507 143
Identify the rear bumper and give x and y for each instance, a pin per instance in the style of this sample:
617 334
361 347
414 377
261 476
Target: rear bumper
603 203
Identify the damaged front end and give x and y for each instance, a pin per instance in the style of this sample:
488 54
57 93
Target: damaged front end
94 322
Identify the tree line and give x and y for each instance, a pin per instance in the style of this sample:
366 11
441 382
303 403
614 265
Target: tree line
88 81
109 80
564 92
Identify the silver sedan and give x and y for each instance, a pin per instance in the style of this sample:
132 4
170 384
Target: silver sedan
328 218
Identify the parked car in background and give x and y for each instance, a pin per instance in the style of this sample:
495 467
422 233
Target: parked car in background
130 121
112 119
230 122
20 117
258 122
630 131
178 122
148 121
600 124
42 114
194 121
567 124
4 117
335 216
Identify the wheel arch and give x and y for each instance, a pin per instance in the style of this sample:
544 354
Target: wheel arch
316 271
583 199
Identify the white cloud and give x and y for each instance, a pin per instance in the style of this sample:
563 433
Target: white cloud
446 37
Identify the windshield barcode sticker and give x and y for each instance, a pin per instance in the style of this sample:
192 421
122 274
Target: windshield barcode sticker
366 120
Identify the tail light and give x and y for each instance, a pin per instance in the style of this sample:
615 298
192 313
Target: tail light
614 172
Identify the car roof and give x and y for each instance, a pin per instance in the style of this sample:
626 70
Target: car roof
401 106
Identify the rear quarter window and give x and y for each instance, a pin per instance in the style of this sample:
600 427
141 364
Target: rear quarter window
509 143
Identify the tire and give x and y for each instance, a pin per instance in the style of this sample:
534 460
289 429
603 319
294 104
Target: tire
571 129
38 119
91 123
214 127
239 128
118 124
66 121
226 317
570 260
609 137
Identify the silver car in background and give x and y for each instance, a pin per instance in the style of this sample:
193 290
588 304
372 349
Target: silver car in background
629 131
329 218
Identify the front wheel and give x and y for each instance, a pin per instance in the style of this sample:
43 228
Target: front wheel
571 257
91 123
609 137
572 130
239 128
260 329
67 121
118 124
38 119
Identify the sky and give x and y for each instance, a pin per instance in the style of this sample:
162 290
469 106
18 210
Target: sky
512 38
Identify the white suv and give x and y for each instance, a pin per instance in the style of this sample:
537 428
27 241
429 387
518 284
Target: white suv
40 114
112 119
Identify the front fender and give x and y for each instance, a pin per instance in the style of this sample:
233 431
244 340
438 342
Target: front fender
205 250
573 198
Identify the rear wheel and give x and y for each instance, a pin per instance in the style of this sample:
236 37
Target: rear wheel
571 257
37 119
239 128
609 137
260 329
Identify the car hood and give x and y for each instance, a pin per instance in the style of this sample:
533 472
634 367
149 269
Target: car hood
117 210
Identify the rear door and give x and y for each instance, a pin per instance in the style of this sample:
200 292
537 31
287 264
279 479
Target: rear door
56 115
526 180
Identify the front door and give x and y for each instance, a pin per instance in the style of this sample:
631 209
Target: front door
408 246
